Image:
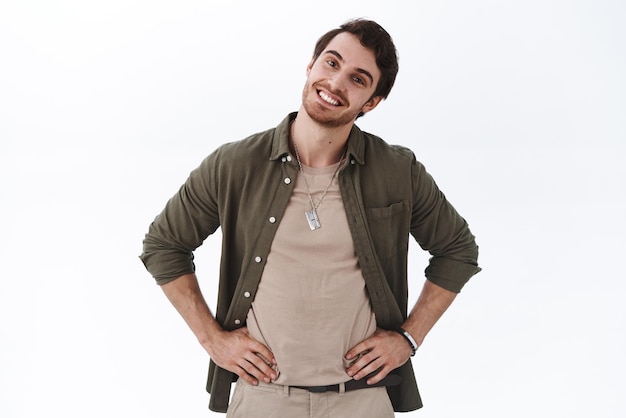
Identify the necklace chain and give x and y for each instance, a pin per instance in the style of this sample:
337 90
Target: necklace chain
306 183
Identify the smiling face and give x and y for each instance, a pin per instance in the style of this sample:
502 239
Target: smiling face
340 82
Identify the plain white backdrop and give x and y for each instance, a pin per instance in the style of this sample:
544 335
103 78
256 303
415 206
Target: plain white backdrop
516 108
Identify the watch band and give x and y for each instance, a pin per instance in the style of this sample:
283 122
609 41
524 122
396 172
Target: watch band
408 339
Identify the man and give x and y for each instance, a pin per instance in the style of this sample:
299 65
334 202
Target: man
315 215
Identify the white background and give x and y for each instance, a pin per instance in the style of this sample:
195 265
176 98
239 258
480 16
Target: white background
516 108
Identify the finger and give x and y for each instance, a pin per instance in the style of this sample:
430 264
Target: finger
368 370
358 350
264 352
253 370
256 346
378 376
261 370
262 358
243 374
360 368
374 372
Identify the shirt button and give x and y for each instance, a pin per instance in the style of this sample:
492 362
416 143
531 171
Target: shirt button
257 259
272 220
352 162
246 294
284 159
237 321
289 158
287 180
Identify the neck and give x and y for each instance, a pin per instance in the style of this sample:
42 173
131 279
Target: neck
318 145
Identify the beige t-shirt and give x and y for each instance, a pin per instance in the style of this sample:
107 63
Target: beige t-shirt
311 306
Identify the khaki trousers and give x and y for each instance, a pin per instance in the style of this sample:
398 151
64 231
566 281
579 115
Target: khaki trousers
279 401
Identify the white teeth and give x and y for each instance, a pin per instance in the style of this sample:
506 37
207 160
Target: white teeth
328 99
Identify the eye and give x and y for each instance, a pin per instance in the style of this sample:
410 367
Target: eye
332 63
358 80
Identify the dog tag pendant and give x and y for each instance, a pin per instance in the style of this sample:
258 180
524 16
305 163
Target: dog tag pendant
314 221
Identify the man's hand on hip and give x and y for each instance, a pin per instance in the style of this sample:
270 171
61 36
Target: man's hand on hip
239 353
234 350
384 350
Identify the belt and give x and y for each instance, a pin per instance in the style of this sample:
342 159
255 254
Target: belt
389 380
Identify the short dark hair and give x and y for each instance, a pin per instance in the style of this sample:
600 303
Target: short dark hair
375 38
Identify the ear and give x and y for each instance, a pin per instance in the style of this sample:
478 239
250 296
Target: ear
310 66
371 104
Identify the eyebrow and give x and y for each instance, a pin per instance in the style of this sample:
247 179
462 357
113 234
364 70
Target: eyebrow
359 70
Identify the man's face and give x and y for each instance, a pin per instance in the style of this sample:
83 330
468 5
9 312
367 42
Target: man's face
340 82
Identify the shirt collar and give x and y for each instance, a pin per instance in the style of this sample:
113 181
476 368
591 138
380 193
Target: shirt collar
280 141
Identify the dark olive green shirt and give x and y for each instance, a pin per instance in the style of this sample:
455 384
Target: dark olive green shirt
244 187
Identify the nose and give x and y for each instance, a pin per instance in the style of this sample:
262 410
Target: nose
336 83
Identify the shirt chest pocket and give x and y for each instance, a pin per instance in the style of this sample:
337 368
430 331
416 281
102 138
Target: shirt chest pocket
390 228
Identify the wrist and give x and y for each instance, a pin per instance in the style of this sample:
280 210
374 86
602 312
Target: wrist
409 339
210 334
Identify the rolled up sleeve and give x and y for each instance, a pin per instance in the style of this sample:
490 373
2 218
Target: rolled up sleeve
440 230
188 218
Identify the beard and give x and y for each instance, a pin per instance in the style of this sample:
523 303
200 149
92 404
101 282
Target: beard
323 115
